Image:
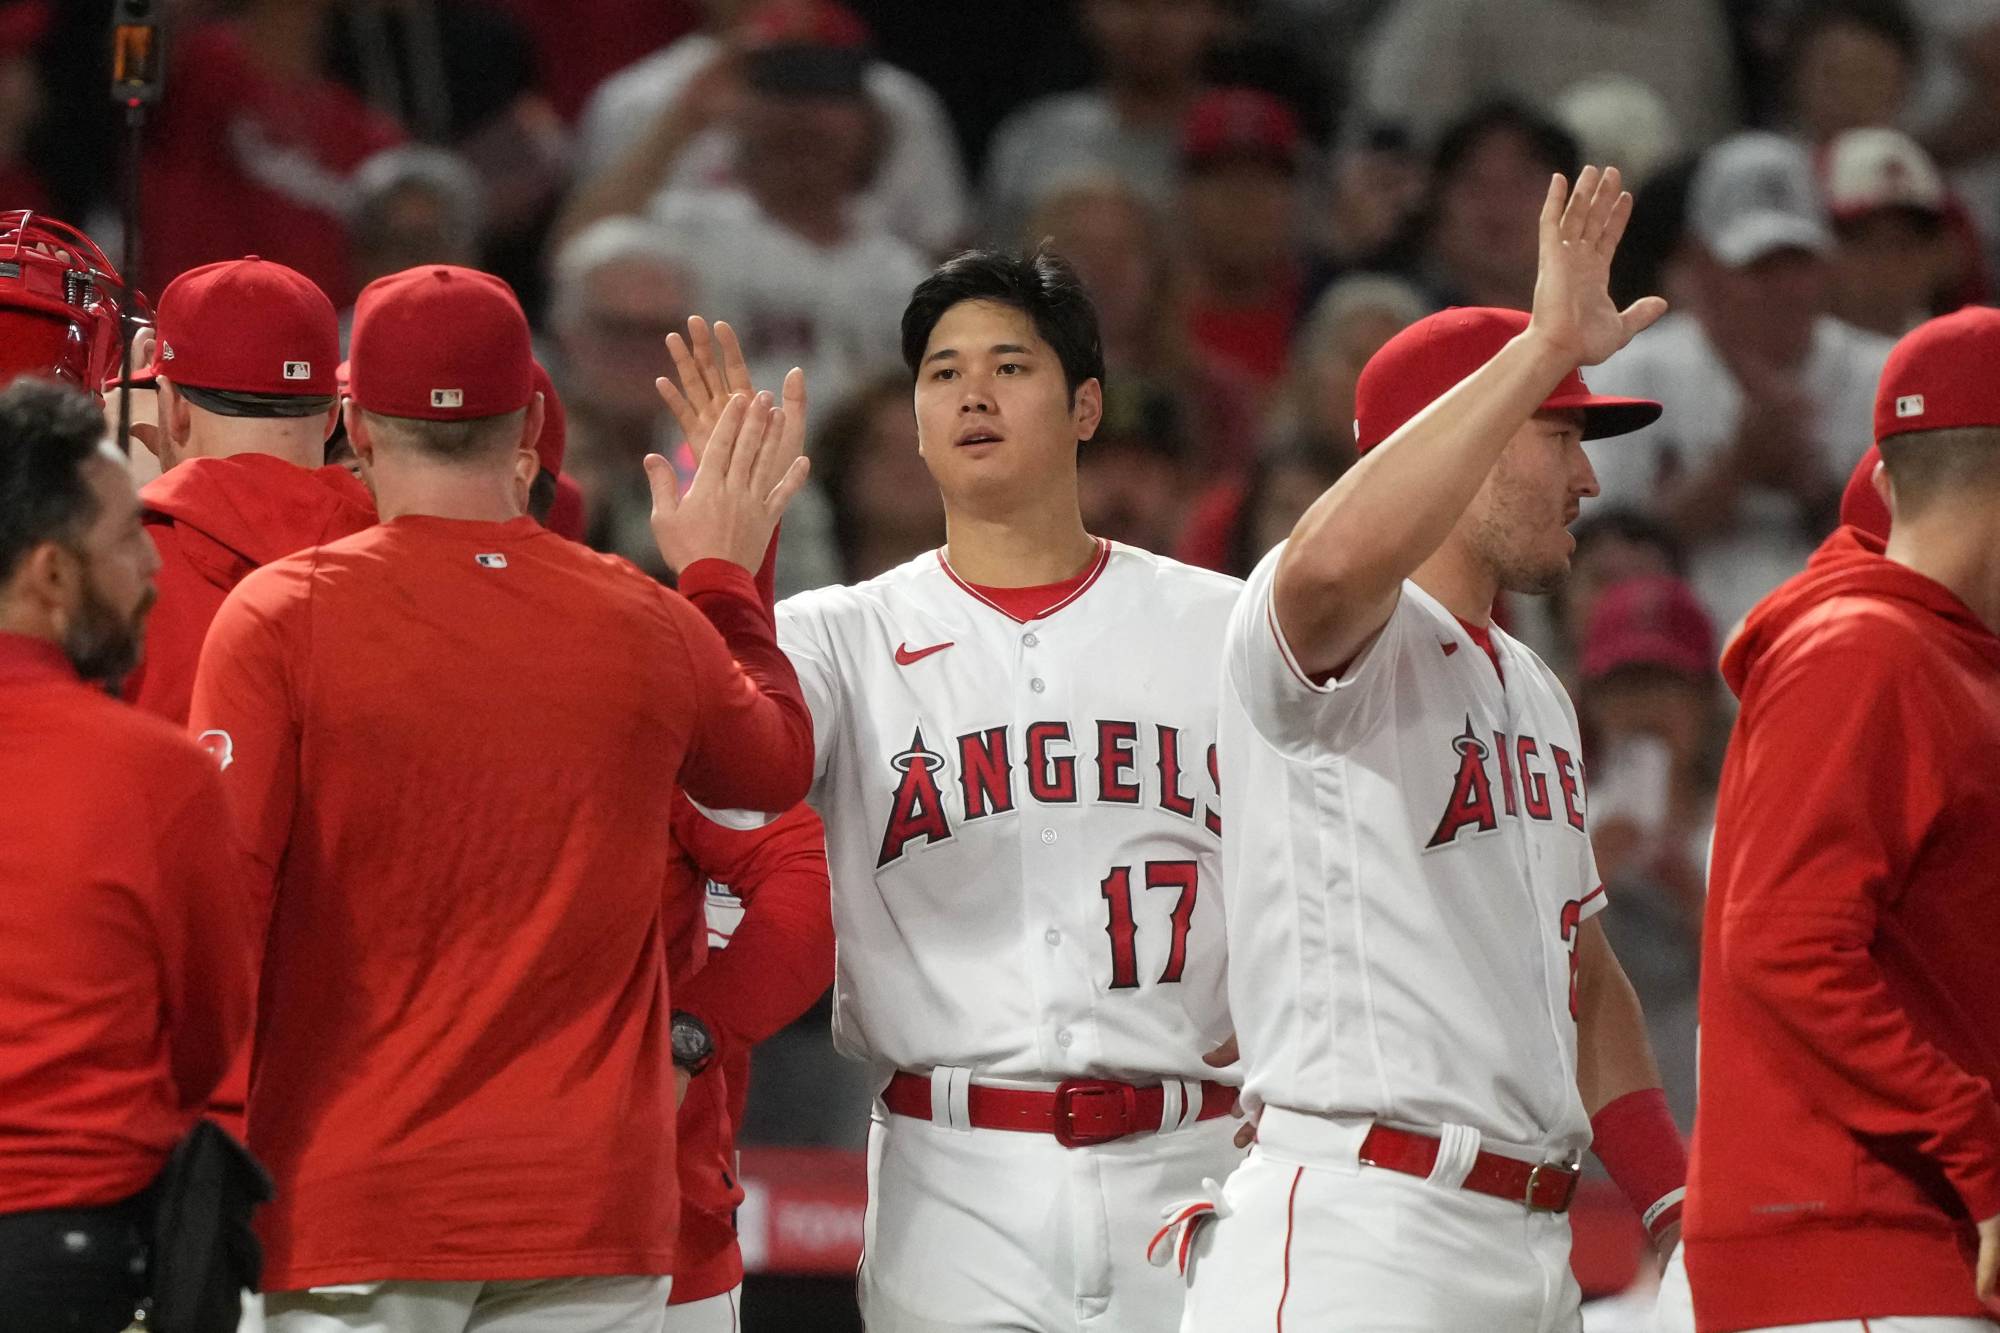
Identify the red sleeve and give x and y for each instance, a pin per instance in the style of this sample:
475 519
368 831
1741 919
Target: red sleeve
245 712
1817 853
205 923
780 959
753 743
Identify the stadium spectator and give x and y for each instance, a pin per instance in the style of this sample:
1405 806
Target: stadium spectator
669 122
1150 55
1896 252
415 205
1614 542
252 154
866 463
1116 242
1242 153
23 24
1133 479
1769 397
1846 64
1429 61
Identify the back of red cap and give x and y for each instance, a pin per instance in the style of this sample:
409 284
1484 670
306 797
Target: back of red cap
1942 375
1861 505
440 343
248 326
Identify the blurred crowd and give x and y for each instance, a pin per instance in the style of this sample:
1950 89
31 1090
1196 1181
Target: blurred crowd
1258 194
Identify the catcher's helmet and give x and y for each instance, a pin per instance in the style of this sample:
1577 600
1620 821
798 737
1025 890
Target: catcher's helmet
61 303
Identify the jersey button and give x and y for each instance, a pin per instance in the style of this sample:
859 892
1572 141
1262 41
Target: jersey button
1054 936
1063 1038
1029 640
1048 836
1036 685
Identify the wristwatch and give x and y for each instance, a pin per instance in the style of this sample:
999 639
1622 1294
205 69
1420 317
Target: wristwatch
693 1043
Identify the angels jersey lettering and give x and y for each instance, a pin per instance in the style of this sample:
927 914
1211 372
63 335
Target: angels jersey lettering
1407 871
1023 819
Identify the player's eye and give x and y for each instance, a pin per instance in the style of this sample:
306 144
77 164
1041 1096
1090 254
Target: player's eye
1010 368
942 374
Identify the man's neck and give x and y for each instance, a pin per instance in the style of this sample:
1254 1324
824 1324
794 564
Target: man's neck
1465 586
1046 544
299 452
1956 545
408 490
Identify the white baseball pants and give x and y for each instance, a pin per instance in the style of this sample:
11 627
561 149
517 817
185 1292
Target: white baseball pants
549 1305
981 1230
1314 1242
717 1314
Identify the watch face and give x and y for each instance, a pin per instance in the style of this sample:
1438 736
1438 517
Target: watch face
691 1043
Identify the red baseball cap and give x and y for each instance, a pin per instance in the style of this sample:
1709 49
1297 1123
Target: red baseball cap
1941 375
555 423
440 343
1648 620
1861 505
1238 123
1423 362
248 326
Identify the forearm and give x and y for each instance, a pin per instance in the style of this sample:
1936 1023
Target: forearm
1357 543
629 183
1613 1055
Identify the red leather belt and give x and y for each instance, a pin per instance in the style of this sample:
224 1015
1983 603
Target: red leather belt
1542 1187
1080 1112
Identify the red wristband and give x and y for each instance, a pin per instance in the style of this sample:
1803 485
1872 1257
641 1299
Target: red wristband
1636 1139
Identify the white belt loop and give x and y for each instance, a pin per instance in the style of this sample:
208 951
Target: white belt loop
951 1098
1191 1099
1458 1150
1173 1099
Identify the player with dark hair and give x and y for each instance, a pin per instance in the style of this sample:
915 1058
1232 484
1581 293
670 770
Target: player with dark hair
125 983
1016 770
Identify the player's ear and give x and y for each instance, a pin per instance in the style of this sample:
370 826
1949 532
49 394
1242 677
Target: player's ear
1087 408
357 432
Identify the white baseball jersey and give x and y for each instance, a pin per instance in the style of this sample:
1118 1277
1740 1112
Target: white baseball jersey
1407 872
1022 819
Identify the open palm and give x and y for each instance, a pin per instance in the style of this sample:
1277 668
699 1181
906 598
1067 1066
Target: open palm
1580 231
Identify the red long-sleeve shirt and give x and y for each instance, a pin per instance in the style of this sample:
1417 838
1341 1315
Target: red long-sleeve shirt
125 925
456 746
1849 1133
213 520
777 961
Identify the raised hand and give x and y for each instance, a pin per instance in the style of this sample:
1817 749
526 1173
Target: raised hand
1580 231
711 366
749 472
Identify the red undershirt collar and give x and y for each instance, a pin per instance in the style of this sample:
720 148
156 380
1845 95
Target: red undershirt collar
1483 636
1025 604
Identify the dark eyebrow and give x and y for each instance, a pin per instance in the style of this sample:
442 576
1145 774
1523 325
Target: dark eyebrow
1012 350
998 349
942 354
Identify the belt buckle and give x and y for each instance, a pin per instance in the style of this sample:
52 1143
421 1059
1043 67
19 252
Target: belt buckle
1119 1100
1568 1172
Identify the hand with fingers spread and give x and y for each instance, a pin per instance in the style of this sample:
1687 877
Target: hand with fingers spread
749 471
1580 231
710 365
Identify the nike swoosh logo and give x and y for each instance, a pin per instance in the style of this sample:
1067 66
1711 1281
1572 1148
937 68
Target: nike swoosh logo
1449 648
904 656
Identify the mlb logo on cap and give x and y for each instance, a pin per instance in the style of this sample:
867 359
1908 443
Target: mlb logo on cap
447 398
491 560
1910 405
298 370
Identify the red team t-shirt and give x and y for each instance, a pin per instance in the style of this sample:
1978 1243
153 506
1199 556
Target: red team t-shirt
125 921
456 747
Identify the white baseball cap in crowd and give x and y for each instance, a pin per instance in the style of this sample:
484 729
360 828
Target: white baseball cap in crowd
1754 195
1867 170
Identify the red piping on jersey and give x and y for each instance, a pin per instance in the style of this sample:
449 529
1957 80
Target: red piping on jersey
1585 900
1291 1202
1090 576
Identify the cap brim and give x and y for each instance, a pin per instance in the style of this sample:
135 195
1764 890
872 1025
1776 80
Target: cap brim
1604 416
1751 238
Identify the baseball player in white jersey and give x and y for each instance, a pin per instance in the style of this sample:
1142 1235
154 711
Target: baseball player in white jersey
1017 772
1428 1015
